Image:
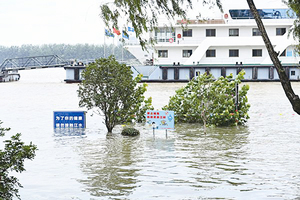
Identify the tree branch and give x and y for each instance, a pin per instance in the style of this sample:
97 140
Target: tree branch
285 82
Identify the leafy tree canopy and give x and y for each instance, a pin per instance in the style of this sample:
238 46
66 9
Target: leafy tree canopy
110 87
295 6
143 14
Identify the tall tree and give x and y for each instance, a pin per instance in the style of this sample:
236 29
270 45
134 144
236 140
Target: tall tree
110 87
142 14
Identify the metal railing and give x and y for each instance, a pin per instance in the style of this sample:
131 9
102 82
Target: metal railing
32 62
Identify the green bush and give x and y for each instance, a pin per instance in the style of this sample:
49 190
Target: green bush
111 88
211 102
130 132
13 154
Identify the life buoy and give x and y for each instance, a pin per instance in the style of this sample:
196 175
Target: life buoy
171 40
226 16
277 14
183 21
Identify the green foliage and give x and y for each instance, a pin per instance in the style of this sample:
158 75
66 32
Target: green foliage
12 158
110 87
295 6
205 100
130 132
143 15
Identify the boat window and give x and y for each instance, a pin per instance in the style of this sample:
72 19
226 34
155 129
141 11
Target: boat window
293 73
264 14
256 32
162 53
280 31
290 54
234 32
187 33
165 34
233 53
187 53
210 32
211 53
256 52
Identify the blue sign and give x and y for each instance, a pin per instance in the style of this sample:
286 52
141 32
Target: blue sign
69 119
160 119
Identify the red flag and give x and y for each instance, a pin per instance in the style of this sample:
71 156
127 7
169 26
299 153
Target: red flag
116 31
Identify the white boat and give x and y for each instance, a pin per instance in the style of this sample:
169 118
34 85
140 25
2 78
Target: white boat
221 44
8 76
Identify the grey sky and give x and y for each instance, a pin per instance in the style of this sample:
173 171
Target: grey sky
71 21
50 21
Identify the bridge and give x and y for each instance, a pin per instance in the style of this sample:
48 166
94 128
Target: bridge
13 64
10 67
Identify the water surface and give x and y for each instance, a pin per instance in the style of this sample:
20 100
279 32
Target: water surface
256 161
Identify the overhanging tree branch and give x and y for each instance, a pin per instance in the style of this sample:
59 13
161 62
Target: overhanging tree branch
285 82
135 8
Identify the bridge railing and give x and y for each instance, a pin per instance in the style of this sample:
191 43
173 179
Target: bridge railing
33 62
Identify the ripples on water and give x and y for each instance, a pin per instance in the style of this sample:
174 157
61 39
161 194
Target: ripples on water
257 161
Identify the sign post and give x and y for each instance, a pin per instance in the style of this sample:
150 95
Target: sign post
160 120
236 96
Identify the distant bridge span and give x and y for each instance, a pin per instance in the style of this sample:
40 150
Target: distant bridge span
10 67
33 62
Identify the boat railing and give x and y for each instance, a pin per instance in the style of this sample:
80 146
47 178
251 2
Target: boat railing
194 42
266 21
132 44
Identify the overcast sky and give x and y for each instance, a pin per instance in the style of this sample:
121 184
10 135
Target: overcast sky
63 21
50 21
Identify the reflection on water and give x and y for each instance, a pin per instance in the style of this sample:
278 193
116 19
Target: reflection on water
188 159
60 132
110 165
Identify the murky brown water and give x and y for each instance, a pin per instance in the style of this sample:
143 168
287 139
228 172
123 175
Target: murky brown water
257 161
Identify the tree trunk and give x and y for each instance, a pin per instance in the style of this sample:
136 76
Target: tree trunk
109 129
285 82
109 125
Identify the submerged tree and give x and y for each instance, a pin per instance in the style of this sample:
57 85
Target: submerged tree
143 15
212 102
110 87
12 158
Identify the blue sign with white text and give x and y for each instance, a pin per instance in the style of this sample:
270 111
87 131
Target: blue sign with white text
69 119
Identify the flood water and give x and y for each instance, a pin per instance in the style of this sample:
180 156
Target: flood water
258 161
